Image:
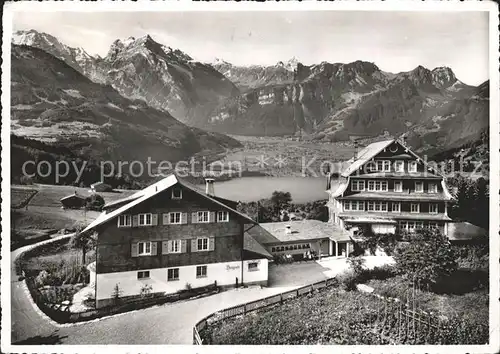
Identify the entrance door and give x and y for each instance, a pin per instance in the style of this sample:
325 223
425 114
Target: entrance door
342 249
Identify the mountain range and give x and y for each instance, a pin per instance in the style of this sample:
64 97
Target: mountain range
323 102
53 103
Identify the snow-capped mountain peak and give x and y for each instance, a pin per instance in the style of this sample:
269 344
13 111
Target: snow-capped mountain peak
443 77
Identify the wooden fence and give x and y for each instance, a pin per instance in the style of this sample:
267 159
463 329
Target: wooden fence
413 326
267 302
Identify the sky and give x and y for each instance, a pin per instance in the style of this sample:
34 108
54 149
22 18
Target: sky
394 41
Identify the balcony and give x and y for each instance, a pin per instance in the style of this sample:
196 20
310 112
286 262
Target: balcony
406 195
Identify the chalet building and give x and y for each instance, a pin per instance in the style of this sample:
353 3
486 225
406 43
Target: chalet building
172 236
73 201
386 187
300 239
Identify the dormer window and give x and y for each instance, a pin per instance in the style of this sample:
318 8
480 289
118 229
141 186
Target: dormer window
399 166
176 193
412 167
419 187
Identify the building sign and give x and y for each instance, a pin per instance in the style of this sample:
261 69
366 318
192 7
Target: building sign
232 267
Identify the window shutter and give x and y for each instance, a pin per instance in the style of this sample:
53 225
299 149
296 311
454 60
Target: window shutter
164 247
135 220
194 246
211 244
154 248
194 218
134 250
169 245
166 219
211 216
184 218
183 246
154 219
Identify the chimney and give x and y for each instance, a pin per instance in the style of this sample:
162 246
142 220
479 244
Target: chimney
288 229
328 181
209 187
355 149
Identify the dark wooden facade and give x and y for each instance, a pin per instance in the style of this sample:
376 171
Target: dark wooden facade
115 244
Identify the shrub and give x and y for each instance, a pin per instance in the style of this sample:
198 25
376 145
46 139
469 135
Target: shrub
356 264
116 294
188 286
427 257
381 273
348 280
146 290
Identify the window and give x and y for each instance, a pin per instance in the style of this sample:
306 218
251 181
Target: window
380 165
377 206
222 216
386 166
203 216
399 166
433 225
145 219
175 218
357 185
176 193
371 166
396 207
253 266
377 186
419 187
403 225
172 274
398 186
415 208
143 274
354 205
124 220
412 166
176 246
411 226
202 244
144 248
419 225
433 188
433 208
201 271
273 249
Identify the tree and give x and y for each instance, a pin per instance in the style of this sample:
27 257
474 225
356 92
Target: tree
94 202
84 242
481 203
280 200
426 257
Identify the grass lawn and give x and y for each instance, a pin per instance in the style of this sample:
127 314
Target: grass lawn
473 304
337 316
53 254
43 215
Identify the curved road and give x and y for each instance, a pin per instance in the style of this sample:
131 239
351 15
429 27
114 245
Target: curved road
165 324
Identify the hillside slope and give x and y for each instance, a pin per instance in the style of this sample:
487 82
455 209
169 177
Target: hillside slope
52 102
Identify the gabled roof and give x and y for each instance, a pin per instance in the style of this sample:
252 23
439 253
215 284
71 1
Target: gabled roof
365 155
274 232
373 150
74 195
153 190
